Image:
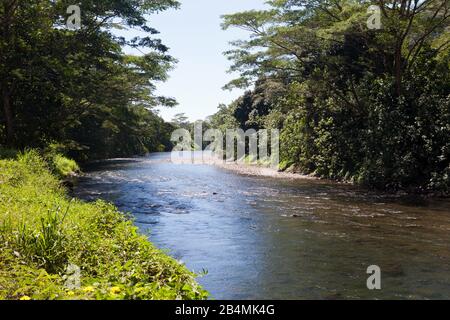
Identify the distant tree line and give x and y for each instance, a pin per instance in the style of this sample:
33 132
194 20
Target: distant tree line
352 102
77 89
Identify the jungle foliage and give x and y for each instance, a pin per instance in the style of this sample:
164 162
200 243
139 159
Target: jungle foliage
78 88
353 103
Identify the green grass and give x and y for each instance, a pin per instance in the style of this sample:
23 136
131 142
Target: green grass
45 236
63 166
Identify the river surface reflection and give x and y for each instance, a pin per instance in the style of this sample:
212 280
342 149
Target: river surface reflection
267 238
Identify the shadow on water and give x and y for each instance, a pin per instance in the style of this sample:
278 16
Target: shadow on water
266 238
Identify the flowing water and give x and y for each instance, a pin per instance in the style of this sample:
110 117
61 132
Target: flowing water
268 238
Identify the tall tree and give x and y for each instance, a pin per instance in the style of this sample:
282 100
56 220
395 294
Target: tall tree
56 82
371 105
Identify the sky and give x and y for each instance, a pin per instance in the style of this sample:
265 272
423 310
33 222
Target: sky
197 41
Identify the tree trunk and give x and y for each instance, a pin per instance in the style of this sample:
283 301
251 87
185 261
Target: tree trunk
398 71
9 10
9 121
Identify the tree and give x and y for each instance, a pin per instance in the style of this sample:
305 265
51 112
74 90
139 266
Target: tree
180 120
359 104
58 84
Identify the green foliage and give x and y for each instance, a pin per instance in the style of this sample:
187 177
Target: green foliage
43 233
370 106
78 87
64 166
224 118
44 246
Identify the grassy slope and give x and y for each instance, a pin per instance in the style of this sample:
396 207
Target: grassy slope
42 232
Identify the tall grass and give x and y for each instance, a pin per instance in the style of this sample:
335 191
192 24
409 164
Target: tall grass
64 166
43 233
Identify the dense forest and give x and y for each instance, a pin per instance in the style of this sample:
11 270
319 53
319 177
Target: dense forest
75 90
353 102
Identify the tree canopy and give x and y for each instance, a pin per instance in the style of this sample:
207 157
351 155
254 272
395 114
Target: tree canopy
78 88
353 102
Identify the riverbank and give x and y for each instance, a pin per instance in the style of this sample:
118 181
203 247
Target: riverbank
263 171
52 247
291 173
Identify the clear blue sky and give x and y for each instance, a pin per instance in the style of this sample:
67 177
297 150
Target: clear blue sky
195 38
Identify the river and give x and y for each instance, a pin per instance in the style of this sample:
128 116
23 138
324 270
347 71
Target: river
270 238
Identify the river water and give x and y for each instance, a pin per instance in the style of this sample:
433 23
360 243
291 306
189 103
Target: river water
271 238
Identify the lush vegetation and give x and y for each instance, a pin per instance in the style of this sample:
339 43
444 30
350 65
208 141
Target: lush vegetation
78 88
45 237
366 105
76 93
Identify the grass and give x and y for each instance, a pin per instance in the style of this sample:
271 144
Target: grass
52 247
63 166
